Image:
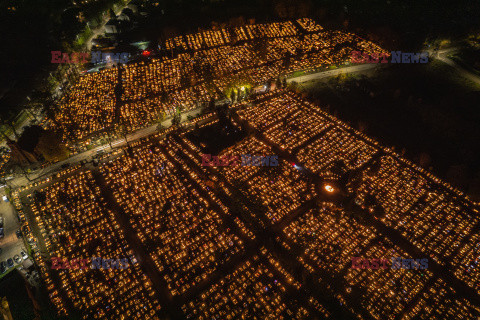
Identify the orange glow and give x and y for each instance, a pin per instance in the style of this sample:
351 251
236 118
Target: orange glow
329 188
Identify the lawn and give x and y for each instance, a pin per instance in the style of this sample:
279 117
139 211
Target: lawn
425 109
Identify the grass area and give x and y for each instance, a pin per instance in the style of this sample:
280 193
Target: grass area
426 109
13 288
459 59
22 116
83 38
7 272
297 74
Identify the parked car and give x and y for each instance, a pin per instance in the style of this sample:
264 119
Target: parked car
24 255
18 233
10 262
1 221
2 234
17 259
3 267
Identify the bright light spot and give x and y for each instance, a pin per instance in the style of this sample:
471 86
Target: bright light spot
242 88
4 198
329 188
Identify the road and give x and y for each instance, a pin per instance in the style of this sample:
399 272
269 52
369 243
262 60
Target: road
87 155
331 73
442 56
10 244
101 29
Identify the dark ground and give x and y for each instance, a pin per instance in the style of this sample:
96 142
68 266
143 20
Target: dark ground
13 287
427 111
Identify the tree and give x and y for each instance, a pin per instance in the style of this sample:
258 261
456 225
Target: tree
207 72
29 138
177 118
124 129
162 116
107 127
50 146
8 123
25 173
294 85
232 96
211 104
287 61
278 83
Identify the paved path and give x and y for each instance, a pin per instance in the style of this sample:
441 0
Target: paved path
442 56
87 155
101 28
10 244
331 73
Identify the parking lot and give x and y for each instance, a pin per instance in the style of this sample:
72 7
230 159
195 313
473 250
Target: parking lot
10 244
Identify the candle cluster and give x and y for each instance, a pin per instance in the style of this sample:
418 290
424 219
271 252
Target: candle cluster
233 242
75 223
194 68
